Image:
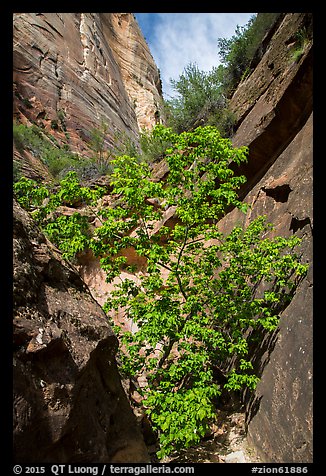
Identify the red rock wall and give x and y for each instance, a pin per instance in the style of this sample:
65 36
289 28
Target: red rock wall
91 67
274 107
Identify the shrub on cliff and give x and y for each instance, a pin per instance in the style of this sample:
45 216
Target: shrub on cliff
237 52
70 233
35 140
200 100
58 159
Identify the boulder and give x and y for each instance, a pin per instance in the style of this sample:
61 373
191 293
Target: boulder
235 457
69 404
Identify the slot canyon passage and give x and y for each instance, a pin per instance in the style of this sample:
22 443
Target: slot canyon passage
80 72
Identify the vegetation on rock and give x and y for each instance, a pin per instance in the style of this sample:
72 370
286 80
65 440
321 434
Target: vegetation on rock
59 158
202 97
201 294
202 297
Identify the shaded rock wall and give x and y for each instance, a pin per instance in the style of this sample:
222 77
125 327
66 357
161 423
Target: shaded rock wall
275 101
274 107
69 404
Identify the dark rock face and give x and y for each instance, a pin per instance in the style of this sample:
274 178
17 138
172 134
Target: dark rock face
274 107
69 405
67 389
274 103
280 413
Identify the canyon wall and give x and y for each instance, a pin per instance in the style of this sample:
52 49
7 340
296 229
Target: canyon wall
81 69
75 70
97 67
274 109
138 70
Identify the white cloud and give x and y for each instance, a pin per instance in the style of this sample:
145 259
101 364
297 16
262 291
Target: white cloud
182 38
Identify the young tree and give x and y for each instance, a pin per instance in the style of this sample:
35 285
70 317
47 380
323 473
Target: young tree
195 317
201 293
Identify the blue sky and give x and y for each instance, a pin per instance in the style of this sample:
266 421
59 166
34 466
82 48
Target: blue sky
177 39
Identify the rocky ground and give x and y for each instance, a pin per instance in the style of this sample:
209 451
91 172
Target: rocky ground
227 444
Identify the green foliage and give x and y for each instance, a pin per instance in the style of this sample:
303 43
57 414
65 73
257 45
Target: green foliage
199 97
32 138
54 124
59 160
123 145
61 115
224 119
237 52
152 146
181 416
27 103
29 194
70 233
302 40
202 97
28 138
16 171
97 142
71 192
201 293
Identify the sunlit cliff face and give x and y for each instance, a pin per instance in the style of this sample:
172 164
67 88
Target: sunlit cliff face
89 68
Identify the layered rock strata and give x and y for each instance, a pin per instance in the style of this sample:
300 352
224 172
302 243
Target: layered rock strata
77 70
138 70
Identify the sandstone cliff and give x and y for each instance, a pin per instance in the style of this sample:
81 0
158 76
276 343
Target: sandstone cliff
75 70
79 69
69 405
138 70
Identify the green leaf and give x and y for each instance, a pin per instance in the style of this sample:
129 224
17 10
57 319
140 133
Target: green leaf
197 298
